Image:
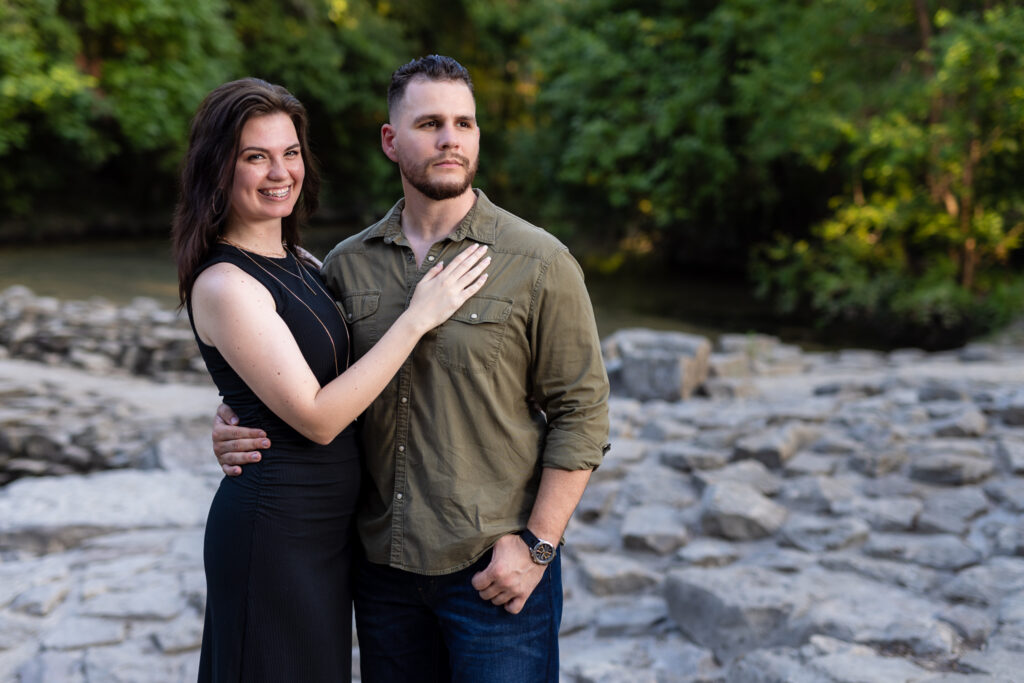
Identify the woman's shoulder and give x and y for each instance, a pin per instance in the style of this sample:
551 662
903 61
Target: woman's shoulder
225 283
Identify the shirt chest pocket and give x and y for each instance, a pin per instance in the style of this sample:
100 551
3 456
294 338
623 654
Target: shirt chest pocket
472 339
361 314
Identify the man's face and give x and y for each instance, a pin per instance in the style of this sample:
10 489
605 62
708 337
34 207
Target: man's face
434 138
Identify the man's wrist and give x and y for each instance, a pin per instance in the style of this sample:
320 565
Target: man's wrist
541 551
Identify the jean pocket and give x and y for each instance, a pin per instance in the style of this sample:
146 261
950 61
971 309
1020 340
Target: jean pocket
471 340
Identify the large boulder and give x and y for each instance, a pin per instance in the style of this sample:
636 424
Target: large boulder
646 364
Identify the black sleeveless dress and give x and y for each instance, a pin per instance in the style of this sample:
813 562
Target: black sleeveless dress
279 536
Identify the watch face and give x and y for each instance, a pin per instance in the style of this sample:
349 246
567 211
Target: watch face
543 552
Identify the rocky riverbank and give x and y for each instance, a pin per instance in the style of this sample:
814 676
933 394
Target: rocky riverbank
765 515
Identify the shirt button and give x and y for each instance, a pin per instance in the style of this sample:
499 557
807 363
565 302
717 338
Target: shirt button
473 316
430 258
398 496
349 316
405 400
401 449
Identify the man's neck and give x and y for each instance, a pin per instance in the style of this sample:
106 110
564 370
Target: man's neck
427 221
430 220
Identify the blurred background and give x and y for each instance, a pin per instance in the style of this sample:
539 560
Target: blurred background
839 172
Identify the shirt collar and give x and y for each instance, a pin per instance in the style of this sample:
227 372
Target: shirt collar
479 225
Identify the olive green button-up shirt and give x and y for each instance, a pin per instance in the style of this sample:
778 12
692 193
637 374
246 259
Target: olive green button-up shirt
513 382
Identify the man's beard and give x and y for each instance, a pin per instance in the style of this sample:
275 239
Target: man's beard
439 190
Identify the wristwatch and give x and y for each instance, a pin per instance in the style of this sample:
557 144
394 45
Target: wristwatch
541 552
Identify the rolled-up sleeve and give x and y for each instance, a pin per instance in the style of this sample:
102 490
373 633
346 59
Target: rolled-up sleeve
569 379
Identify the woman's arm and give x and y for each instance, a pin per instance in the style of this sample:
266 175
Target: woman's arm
236 314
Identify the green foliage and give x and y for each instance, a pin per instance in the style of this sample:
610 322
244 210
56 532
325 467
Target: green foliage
923 115
629 137
101 85
864 152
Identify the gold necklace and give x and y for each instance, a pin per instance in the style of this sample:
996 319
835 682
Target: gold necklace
301 275
344 325
284 248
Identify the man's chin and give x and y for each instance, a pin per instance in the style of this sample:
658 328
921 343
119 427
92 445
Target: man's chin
439 192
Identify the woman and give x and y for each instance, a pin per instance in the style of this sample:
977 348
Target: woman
277 538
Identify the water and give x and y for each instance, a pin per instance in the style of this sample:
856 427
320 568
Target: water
120 271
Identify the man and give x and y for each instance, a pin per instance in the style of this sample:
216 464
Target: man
479 449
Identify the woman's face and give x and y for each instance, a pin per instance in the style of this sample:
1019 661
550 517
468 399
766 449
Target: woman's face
268 171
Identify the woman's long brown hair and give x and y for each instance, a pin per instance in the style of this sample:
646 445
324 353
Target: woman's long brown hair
208 169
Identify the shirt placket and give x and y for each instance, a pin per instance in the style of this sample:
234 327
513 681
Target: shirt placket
403 420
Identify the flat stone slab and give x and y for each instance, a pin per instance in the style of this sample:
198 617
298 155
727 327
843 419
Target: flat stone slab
60 512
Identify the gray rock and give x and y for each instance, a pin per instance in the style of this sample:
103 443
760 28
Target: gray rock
739 512
686 458
948 512
967 422
732 365
816 494
653 528
835 443
66 667
752 345
818 534
1008 493
750 472
184 634
137 660
41 600
878 462
1002 665
734 610
155 598
986 584
774 447
645 364
1010 455
633 617
973 625
1011 410
614 575
808 463
882 514
667 429
776 665
951 469
708 552
855 610
941 551
656 484
942 390
76 633
60 513
597 501
862 665
920 580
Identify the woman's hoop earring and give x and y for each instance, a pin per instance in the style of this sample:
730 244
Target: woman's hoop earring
218 198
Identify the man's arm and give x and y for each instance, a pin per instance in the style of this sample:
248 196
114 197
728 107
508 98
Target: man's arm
571 387
235 446
512 574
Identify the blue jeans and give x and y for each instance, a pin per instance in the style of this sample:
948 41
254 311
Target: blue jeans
436 629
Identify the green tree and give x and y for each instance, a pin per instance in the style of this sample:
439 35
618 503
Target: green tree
919 108
101 90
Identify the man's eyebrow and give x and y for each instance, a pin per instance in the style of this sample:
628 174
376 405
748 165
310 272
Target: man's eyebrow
430 117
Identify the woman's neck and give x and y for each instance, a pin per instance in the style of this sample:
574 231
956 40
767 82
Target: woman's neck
260 239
